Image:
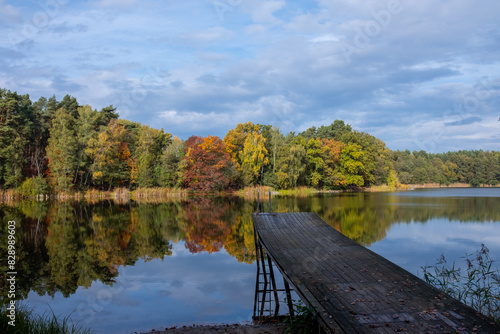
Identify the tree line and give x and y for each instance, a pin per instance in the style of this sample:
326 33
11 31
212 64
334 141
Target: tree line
62 146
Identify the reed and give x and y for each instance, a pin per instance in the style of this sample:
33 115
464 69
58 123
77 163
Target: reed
385 187
157 194
478 286
299 191
251 192
9 195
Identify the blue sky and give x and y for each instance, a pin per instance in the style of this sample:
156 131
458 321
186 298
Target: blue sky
418 74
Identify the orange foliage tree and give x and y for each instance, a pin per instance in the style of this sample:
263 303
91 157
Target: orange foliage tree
333 178
207 165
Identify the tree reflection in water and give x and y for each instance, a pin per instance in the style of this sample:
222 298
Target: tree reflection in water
62 246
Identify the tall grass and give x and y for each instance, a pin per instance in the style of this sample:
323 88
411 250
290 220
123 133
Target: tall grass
155 194
9 194
29 322
251 192
298 191
478 286
385 187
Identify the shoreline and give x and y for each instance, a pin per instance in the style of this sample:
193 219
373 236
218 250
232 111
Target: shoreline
162 194
269 328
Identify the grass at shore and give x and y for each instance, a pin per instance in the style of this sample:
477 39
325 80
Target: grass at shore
26 321
158 194
119 195
263 192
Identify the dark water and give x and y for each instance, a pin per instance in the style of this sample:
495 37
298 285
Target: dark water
121 268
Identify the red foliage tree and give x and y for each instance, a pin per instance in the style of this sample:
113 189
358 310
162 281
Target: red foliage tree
206 166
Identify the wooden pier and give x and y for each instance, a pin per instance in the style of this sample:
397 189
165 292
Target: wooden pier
353 289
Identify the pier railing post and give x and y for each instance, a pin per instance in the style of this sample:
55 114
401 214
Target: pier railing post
258 200
270 200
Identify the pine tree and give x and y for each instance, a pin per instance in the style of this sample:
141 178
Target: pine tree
62 151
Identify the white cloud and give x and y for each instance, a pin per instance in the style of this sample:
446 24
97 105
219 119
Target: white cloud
208 35
325 38
267 57
262 11
8 13
115 3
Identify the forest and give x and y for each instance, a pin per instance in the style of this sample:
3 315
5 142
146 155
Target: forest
51 146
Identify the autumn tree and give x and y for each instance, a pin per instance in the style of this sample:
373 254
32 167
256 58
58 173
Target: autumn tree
332 176
246 146
207 166
111 159
235 140
253 157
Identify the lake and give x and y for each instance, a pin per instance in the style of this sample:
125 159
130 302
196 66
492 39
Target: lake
126 267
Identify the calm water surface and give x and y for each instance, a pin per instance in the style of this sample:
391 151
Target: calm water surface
121 268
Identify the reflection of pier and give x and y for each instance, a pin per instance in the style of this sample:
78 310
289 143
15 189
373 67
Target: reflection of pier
352 289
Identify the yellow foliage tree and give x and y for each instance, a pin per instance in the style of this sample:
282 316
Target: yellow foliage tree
235 140
253 157
112 161
246 146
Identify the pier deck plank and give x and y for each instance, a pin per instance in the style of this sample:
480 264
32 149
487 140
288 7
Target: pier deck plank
354 289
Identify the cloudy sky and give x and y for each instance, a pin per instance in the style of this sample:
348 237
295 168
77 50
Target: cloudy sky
418 74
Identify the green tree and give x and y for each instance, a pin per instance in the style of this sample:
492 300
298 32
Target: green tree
296 163
86 126
42 120
352 164
170 159
149 148
338 130
15 131
62 150
107 114
70 104
315 162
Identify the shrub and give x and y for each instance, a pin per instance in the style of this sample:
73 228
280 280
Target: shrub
34 186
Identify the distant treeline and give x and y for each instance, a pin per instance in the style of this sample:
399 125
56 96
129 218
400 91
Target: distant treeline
51 145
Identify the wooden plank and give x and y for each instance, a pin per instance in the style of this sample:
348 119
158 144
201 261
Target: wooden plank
354 289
